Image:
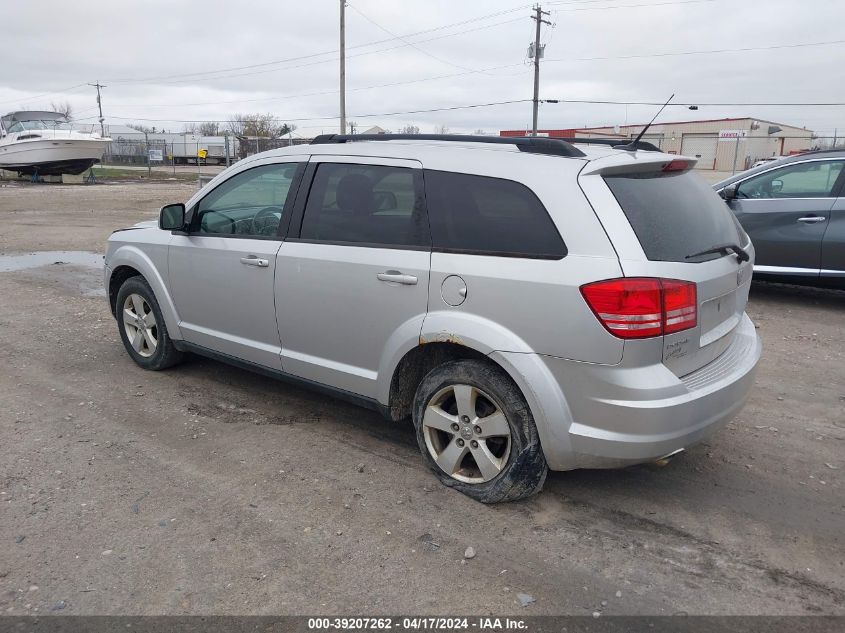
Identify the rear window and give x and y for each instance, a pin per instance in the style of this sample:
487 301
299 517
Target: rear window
490 216
674 214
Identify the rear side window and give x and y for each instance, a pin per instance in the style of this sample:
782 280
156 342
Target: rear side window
674 214
365 204
478 214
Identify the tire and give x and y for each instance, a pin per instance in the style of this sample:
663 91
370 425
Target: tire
136 298
484 464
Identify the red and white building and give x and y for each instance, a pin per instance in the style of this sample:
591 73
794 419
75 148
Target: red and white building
716 143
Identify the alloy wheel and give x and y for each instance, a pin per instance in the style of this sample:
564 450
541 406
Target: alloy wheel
466 433
140 325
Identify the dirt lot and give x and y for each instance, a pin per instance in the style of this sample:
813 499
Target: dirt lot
207 489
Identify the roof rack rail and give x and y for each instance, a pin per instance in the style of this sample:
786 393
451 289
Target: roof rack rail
528 144
613 142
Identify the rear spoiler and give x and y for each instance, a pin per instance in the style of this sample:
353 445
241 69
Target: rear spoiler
613 142
622 163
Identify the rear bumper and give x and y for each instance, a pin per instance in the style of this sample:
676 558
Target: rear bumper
616 416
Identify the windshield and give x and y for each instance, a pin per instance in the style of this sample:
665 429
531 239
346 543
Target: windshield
20 126
675 214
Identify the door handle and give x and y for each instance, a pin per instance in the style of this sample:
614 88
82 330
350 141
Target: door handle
397 277
812 219
252 260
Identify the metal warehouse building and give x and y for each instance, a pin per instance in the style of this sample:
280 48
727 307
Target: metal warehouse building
719 144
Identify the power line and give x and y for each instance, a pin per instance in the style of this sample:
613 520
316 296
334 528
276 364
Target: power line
697 103
334 59
343 66
633 6
311 94
198 76
490 104
334 51
46 94
700 52
328 118
411 44
491 68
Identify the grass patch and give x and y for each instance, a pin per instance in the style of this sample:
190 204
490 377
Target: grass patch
121 173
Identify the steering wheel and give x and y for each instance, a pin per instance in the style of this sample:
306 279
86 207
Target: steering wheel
220 217
266 221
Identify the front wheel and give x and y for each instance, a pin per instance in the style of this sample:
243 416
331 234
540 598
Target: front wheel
142 327
476 432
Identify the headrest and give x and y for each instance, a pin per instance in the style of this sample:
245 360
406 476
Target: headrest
355 193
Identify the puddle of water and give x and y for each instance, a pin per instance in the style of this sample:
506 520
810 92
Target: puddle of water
12 263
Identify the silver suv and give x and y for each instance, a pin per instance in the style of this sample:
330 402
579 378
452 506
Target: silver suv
529 303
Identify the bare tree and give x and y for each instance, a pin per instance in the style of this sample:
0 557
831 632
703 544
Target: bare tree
441 129
410 129
63 108
209 128
189 128
480 132
259 125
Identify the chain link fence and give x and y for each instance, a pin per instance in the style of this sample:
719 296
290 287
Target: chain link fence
163 153
247 146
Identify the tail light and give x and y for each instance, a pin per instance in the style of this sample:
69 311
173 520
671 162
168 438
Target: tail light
641 307
676 164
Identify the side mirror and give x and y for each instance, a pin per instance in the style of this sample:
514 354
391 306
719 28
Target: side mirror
172 217
729 192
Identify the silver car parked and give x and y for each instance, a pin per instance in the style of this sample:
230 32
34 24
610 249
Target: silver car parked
529 303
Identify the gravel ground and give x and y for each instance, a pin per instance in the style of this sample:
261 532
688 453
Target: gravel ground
207 489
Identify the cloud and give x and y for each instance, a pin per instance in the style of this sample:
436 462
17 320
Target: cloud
144 51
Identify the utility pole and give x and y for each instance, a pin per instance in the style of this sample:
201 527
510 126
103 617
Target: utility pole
343 66
147 148
98 85
538 53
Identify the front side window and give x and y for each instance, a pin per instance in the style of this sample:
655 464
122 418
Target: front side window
366 204
249 204
814 179
489 216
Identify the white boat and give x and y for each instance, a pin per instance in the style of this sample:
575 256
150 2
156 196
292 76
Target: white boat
44 143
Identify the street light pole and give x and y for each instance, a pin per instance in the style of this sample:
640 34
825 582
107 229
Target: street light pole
343 66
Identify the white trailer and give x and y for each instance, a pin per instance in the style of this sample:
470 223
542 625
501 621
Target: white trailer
187 149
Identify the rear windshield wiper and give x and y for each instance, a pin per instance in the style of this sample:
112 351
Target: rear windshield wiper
740 253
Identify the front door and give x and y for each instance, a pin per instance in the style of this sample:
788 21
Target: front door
786 212
352 276
222 271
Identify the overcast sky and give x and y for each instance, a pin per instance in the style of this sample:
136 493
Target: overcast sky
164 61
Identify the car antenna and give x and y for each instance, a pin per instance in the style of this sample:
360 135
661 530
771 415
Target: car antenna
632 146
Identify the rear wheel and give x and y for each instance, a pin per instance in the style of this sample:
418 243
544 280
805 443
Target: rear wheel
476 432
142 327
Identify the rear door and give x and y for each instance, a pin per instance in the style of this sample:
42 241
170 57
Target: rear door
666 218
354 271
786 212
